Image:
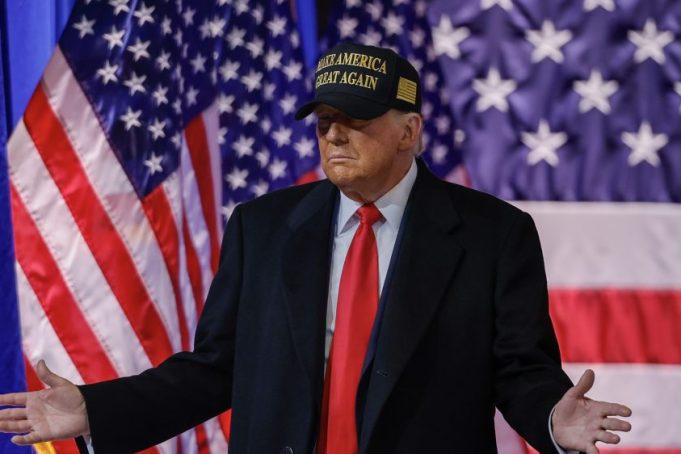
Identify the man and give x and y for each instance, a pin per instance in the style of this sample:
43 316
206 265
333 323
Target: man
430 300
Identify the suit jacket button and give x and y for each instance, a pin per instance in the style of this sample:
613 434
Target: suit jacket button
287 450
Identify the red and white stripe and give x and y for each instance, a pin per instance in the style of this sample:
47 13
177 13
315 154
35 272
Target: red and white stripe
614 275
109 284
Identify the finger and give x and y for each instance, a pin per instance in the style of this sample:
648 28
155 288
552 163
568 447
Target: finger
48 377
12 414
13 399
584 384
610 409
607 437
616 424
591 449
28 439
15 426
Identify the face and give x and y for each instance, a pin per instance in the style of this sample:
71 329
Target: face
363 158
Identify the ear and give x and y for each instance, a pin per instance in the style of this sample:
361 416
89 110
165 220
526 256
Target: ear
411 131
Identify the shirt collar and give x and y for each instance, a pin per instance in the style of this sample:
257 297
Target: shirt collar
391 204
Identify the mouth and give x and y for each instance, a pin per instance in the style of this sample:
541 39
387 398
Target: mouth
335 157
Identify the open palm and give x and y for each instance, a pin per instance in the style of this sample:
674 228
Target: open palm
51 414
579 422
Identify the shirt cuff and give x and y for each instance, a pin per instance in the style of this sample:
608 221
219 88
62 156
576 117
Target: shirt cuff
559 450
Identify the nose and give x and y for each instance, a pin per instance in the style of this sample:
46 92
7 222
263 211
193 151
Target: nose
336 134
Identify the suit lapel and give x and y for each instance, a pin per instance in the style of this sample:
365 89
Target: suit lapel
428 256
306 263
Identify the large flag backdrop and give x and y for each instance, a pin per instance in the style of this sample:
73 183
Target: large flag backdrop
153 121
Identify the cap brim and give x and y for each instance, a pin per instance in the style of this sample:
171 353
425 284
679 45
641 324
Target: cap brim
351 105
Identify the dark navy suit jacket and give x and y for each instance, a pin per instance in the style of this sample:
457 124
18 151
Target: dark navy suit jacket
463 326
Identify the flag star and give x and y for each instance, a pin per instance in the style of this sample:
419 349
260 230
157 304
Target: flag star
166 26
163 61
114 38
293 70
273 59
393 24
417 37
353 3
644 145
304 147
139 49
650 42
191 95
258 14
420 7
268 91
159 95
375 9
247 113
143 14
84 27
119 6
442 124
255 47
252 80
237 178
198 64
493 91
439 153
266 125
277 26
370 38
426 109
543 144
216 26
243 146
277 169
235 37
188 17
176 140
444 95
204 28
131 118
228 209
263 157
459 137
108 73
282 136
177 106
178 37
288 103
156 129
240 6
154 163
595 92
505 4
260 188
548 41
590 5
225 103
135 83
677 89
430 81
446 38
229 70
295 39
222 133
347 26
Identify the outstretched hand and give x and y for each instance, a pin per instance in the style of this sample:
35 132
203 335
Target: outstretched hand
579 422
54 413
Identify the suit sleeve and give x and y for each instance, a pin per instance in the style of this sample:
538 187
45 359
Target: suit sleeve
529 379
133 413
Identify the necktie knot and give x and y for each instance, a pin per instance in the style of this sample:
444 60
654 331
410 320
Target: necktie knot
368 214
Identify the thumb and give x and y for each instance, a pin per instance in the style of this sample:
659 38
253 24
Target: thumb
48 377
586 381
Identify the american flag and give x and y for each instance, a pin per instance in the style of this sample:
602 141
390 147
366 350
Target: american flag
557 105
152 120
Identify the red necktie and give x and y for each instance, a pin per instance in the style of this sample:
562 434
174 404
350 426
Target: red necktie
355 313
